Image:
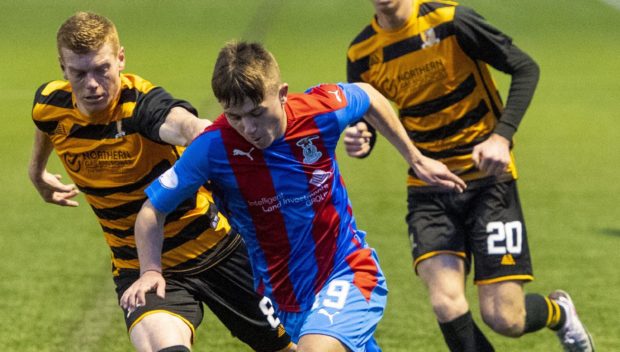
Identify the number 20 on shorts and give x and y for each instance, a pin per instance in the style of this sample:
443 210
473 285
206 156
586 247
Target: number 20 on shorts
505 237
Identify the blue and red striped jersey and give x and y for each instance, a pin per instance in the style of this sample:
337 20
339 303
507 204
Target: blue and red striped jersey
288 201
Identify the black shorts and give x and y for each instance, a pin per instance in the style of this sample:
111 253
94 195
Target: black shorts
485 222
227 289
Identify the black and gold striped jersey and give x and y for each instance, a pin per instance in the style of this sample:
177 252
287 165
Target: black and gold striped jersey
434 68
114 155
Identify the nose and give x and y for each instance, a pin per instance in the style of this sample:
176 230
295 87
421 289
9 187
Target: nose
91 81
249 127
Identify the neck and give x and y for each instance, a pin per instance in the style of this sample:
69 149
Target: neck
396 18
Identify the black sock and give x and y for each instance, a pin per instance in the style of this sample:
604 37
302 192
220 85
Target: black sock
540 311
177 348
463 335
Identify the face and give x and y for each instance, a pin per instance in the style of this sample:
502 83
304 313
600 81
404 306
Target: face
263 123
387 6
94 77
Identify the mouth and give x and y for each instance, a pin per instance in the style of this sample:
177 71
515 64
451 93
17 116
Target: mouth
93 99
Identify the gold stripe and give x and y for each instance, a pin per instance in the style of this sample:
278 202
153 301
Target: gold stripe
190 325
549 311
555 317
504 278
436 253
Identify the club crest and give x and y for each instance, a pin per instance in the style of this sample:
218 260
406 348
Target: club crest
311 153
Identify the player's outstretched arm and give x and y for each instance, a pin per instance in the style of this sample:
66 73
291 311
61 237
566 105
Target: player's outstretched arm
149 234
382 117
181 127
49 186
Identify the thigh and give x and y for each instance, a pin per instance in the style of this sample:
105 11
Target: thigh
505 298
227 289
323 343
178 305
444 277
350 304
158 330
498 238
443 273
433 228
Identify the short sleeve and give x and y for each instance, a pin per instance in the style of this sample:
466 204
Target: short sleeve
358 103
183 179
151 111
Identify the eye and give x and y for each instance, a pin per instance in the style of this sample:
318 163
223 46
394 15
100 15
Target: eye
232 116
256 113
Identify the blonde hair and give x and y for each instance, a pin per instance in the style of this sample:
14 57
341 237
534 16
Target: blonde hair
86 32
244 71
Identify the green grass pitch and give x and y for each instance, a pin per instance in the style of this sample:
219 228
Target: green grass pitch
56 292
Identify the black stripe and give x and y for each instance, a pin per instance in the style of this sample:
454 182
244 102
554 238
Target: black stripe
227 245
97 132
46 126
188 233
58 98
94 132
412 44
128 96
432 106
119 212
157 170
356 68
38 93
125 252
469 119
172 217
495 108
429 7
118 233
458 151
364 34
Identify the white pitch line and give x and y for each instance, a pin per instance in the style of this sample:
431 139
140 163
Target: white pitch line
613 3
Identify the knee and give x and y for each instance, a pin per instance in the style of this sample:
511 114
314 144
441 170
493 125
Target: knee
448 305
506 322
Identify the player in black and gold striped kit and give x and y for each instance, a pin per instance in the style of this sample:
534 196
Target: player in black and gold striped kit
430 58
115 133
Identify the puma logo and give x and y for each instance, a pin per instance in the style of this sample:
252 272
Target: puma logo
239 152
330 316
335 93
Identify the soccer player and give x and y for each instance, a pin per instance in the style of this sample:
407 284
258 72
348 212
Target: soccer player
114 134
430 58
270 160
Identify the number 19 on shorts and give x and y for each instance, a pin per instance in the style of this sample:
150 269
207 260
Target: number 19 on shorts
505 237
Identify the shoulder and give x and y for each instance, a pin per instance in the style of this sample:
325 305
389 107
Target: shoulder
51 99
365 34
54 93
317 100
135 82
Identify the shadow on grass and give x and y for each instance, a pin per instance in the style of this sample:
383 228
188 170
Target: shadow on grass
609 231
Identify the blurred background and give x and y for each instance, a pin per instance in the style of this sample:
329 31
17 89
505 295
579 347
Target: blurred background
56 290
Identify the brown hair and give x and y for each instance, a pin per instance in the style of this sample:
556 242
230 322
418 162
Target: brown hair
86 32
244 70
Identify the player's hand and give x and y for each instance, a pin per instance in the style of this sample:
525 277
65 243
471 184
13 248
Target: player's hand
357 140
134 296
53 191
493 155
436 173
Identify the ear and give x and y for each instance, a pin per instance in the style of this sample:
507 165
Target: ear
121 58
62 67
283 93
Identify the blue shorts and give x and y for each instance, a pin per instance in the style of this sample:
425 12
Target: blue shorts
348 307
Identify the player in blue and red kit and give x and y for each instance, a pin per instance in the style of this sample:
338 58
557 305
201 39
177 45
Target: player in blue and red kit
270 161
